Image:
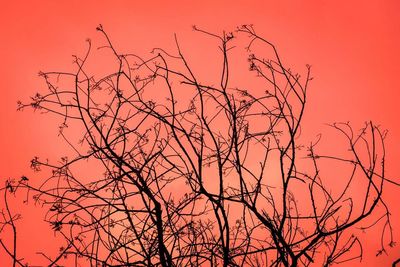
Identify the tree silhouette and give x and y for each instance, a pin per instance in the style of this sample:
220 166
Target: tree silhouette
172 170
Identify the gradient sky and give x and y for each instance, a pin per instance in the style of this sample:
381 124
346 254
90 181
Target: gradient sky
353 47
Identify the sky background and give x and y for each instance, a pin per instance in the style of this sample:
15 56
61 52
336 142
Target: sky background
353 47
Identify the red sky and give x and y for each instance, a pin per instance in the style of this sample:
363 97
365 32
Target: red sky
353 47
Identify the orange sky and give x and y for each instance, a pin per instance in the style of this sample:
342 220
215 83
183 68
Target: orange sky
353 47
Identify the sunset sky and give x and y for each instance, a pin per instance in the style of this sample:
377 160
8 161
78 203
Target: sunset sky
352 46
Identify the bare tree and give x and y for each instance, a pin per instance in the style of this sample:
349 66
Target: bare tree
187 172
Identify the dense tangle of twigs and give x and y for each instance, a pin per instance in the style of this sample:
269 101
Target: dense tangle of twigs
197 173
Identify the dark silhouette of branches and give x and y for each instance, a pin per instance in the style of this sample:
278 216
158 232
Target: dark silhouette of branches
185 172
8 220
